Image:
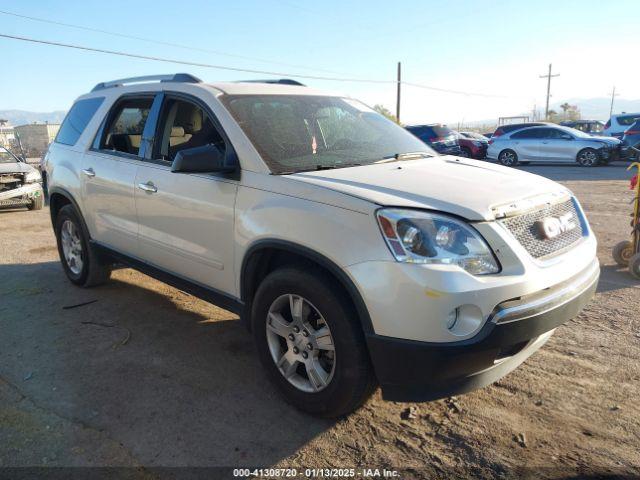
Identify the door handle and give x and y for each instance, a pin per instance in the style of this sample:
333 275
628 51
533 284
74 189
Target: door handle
89 172
148 187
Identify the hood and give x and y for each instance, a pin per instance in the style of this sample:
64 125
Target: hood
468 188
607 140
16 167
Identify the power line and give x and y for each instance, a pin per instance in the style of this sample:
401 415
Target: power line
237 69
159 42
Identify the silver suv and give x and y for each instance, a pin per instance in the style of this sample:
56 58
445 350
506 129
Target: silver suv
354 253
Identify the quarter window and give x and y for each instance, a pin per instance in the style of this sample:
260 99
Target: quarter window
77 120
124 132
184 125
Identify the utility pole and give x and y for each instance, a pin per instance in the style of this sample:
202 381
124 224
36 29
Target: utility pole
398 95
613 95
548 77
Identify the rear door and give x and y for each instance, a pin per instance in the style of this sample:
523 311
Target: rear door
109 171
557 146
526 143
186 220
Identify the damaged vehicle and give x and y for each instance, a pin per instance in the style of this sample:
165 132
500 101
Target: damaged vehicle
20 183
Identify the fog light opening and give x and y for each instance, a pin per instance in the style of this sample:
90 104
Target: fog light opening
453 318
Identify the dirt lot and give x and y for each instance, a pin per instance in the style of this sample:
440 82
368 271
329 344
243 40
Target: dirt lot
149 376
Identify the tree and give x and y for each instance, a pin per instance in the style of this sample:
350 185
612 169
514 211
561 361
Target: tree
565 106
382 110
553 116
3 122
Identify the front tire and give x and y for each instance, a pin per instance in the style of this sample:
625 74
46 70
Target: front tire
508 158
622 253
81 263
310 342
587 157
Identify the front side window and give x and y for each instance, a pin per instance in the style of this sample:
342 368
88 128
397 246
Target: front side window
184 125
124 131
302 132
77 120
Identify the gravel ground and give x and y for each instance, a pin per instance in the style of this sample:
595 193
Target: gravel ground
148 376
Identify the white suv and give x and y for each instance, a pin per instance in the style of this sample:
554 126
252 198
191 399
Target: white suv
354 253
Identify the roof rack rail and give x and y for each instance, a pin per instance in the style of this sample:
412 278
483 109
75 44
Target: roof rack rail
176 77
281 81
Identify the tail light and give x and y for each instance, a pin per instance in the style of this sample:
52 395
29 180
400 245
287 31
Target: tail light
632 132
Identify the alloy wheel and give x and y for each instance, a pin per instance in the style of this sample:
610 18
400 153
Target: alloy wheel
72 246
300 343
588 158
508 158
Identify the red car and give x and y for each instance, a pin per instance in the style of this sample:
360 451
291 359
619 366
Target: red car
473 145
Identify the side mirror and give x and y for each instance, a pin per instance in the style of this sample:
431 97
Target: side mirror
205 159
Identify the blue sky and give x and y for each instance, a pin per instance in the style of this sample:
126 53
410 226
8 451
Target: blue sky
494 47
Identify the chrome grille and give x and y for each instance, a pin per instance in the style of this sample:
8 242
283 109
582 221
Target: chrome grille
527 232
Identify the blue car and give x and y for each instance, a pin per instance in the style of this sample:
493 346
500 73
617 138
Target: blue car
439 137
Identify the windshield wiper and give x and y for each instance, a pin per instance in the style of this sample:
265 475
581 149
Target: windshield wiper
398 157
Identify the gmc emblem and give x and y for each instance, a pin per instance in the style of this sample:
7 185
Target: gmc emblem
551 227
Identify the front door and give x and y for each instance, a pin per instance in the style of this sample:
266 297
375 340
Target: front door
186 219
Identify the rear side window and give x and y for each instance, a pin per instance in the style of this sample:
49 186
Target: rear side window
529 133
77 119
627 120
126 124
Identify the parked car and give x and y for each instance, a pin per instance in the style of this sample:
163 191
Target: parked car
617 124
512 127
439 137
631 138
353 252
487 135
19 183
552 144
592 127
473 145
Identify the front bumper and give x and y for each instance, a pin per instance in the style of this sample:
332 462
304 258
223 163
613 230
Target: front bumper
411 370
22 195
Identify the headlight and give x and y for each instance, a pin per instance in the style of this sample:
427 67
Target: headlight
32 177
420 237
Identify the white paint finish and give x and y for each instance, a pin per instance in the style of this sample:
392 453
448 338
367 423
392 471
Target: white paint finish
463 187
412 301
186 226
107 200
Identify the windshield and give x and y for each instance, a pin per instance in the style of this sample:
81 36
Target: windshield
6 156
575 132
294 133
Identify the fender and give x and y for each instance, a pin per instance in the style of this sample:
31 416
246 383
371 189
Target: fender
247 271
68 196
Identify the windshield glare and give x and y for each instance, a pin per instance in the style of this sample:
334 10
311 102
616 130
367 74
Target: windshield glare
302 132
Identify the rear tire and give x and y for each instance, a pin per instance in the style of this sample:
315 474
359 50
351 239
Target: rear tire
36 203
347 375
508 158
587 157
81 262
622 253
634 265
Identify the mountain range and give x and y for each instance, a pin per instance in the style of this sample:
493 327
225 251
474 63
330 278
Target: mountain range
22 117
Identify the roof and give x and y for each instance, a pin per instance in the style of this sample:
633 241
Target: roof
257 88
